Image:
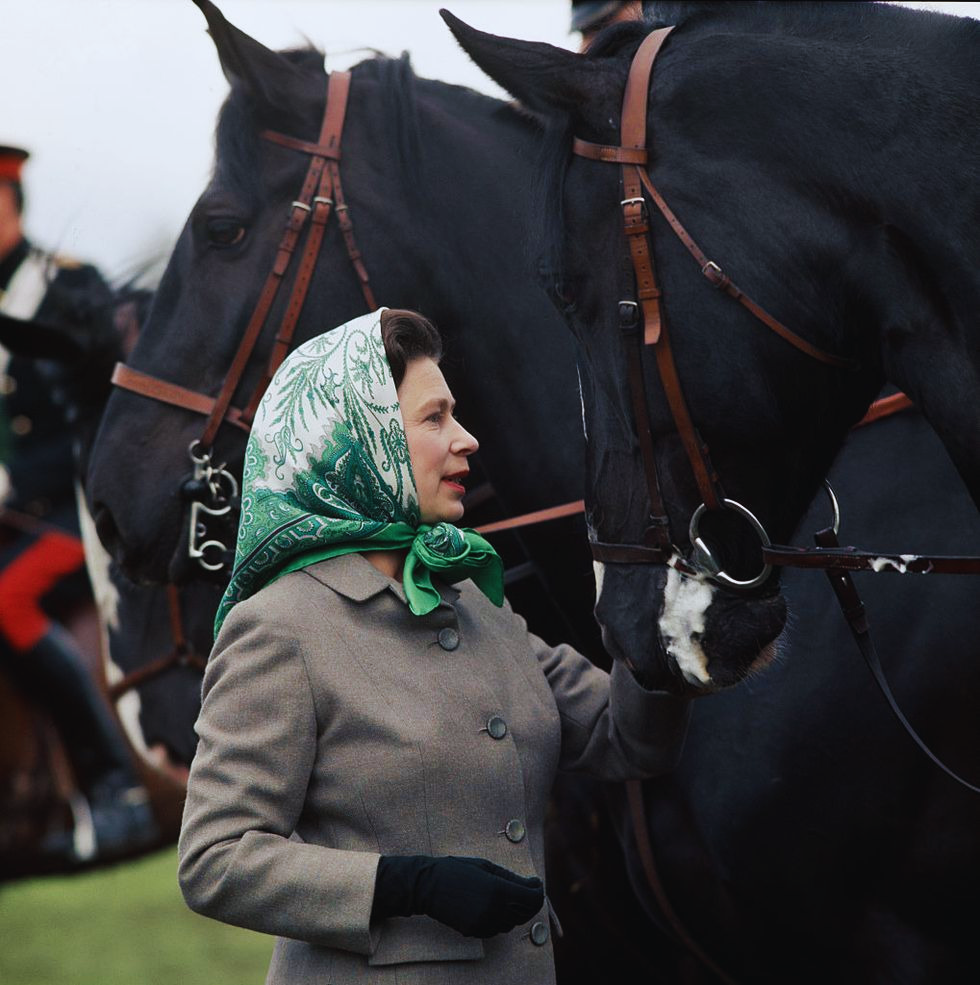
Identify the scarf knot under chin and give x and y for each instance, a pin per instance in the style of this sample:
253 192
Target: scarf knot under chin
453 554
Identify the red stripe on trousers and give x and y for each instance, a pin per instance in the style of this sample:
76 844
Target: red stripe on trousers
27 579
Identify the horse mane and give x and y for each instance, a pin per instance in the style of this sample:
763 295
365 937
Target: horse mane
944 43
240 119
402 92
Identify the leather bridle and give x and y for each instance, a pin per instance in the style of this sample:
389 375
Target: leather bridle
650 333
213 489
632 156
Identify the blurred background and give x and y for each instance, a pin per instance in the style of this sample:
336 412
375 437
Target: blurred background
116 100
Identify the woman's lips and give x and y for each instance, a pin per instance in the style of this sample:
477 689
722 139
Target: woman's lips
455 482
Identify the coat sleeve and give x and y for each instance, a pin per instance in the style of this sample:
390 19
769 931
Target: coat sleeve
257 735
611 727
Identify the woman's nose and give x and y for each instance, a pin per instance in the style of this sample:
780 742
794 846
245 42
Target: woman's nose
464 443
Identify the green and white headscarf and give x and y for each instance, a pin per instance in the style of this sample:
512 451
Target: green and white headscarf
327 472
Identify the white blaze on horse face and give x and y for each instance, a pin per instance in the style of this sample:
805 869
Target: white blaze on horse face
684 615
97 562
581 403
599 570
107 601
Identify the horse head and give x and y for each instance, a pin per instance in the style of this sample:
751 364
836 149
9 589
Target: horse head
433 185
785 153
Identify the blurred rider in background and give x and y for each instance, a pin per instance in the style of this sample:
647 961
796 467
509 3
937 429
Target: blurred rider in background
589 17
42 563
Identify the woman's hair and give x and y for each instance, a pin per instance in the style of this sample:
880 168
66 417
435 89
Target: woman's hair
407 335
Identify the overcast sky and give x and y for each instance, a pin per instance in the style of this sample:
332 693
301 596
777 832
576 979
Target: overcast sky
117 99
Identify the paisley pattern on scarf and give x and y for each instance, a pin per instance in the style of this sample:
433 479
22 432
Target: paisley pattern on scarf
327 472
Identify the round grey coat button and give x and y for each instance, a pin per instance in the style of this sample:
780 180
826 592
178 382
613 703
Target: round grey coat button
515 830
496 726
448 639
539 933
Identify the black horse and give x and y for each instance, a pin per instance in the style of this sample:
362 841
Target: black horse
823 154
862 255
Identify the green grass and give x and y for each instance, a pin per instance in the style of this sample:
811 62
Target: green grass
122 926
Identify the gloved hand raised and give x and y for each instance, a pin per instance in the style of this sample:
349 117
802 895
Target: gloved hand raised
471 895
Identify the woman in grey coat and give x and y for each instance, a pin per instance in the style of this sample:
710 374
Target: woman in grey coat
379 732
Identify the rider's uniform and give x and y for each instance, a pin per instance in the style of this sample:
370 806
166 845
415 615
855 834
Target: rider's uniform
41 556
35 443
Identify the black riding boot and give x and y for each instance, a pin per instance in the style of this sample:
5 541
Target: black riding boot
115 817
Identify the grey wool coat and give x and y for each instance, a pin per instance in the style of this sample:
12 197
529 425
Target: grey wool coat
336 727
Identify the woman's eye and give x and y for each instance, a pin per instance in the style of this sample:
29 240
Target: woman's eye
225 232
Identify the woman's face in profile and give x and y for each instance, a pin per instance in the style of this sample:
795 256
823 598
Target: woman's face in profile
438 444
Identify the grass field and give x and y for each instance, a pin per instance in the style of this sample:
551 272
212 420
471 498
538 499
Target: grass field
123 926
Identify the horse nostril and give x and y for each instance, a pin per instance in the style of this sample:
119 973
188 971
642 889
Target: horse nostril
105 527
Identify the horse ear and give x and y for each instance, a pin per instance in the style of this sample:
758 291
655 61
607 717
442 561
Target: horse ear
544 79
271 80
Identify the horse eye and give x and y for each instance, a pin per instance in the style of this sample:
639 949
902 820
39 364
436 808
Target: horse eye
223 233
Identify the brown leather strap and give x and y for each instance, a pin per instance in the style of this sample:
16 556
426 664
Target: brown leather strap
528 519
182 654
321 204
636 230
634 122
857 620
346 227
338 87
709 485
886 407
176 617
297 219
852 559
609 153
322 176
127 378
628 553
633 151
293 143
720 280
641 833
138 677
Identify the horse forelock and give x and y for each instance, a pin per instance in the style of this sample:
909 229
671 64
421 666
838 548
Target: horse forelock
242 117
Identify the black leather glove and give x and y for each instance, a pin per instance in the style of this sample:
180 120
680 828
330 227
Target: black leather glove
471 895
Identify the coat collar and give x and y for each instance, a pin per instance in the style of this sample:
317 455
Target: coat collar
354 577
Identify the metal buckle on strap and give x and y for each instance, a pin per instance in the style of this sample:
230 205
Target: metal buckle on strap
629 315
713 272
